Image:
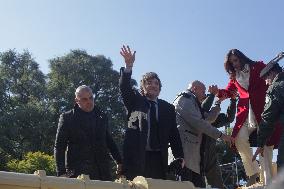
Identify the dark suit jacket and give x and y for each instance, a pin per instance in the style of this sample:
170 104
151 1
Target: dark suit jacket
136 133
87 147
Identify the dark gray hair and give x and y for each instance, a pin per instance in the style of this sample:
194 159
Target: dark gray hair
82 88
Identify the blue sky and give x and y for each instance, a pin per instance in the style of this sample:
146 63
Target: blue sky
181 40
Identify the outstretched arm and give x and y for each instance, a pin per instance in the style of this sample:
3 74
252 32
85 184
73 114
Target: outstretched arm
225 119
207 103
230 90
128 56
192 118
127 92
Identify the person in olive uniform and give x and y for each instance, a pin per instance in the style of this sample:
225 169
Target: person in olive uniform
274 108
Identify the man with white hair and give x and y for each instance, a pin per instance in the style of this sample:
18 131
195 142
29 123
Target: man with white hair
83 140
192 125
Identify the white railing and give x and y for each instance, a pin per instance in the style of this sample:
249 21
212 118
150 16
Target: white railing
39 180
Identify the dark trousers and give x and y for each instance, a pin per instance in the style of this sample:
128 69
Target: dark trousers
211 165
280 156
91 169
214 176
197 179
154 165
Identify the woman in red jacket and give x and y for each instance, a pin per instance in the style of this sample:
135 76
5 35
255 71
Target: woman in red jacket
245 79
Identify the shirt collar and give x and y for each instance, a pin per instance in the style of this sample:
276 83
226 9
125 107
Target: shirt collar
156 100
245 69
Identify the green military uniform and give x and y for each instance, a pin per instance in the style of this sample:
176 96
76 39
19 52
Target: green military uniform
273 111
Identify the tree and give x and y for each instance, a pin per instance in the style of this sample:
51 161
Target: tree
78 68
24 114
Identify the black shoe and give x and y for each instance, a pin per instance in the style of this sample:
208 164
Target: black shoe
253 179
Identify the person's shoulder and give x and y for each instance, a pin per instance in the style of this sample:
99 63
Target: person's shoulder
165 103
68 115
278 87
184 98
258 64
161 101
66 119
281 78
187 96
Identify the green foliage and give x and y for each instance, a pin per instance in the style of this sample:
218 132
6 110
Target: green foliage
24 114
4 158
229 131
21 77
32 162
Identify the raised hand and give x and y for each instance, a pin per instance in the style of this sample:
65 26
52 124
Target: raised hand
234 94
281 55
227 139
128 56
213 89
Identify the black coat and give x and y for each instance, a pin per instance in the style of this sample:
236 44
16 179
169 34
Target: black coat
87 145
136 133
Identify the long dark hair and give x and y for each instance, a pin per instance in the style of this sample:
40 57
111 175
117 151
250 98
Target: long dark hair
243 60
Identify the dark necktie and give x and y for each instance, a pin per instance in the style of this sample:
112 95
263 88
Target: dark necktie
154 134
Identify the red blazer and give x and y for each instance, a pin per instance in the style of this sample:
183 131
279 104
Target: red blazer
255 94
